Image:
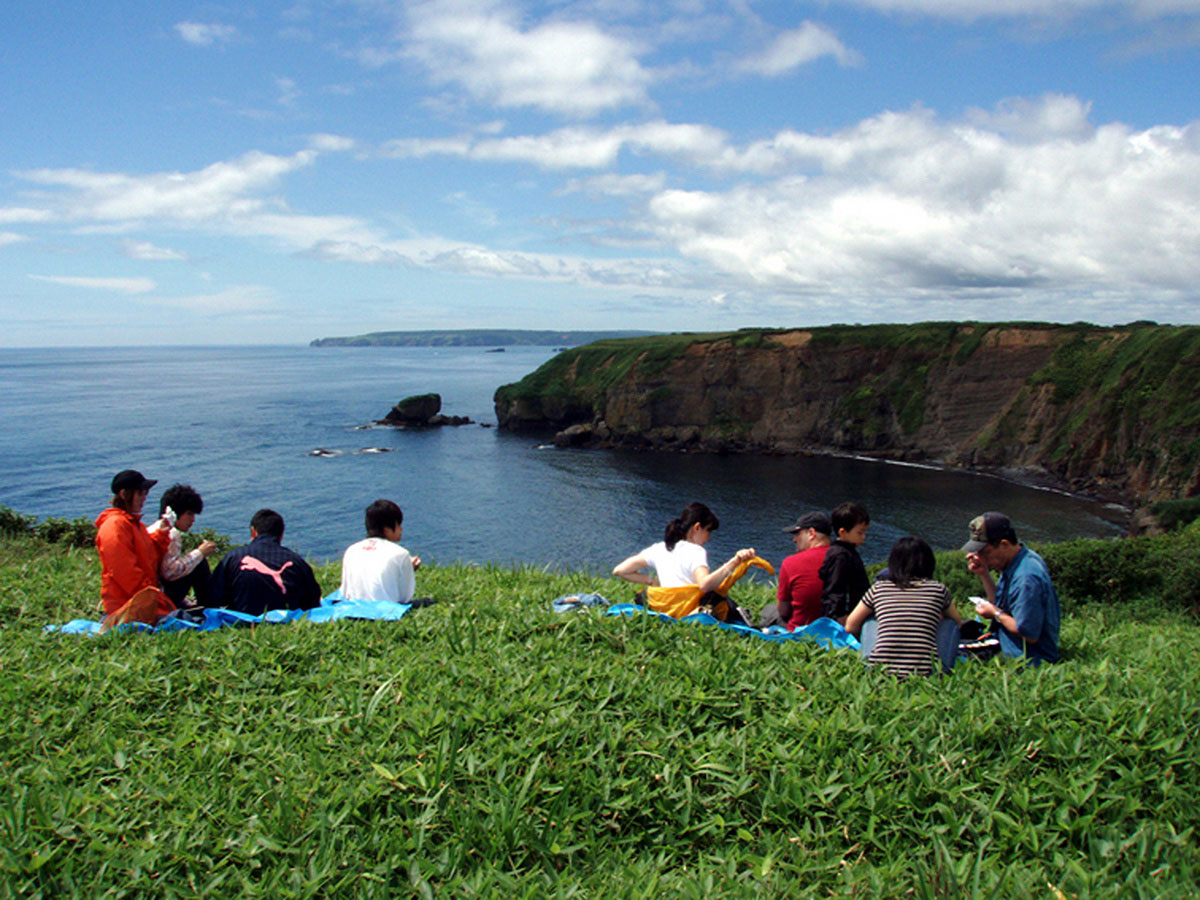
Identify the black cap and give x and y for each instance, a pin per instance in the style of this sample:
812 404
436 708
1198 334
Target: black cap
989 528
131 480
818 520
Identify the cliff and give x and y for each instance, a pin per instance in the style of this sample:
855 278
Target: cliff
1107 411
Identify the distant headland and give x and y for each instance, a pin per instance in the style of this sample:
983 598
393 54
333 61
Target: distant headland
475 337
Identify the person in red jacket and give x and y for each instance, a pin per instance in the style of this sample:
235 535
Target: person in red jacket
129 554
799 594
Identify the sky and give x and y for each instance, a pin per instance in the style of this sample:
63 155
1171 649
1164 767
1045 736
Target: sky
210 173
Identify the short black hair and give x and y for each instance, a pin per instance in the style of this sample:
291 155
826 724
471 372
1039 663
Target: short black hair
181 498
267 521
383 514
848 515
911 560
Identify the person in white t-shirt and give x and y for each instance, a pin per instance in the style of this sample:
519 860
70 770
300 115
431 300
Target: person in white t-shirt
378 568
680 559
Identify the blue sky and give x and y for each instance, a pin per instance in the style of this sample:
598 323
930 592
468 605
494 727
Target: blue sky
271 173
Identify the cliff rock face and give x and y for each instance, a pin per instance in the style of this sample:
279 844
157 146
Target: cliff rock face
1103 410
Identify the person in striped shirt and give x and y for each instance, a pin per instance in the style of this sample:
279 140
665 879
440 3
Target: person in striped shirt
902 619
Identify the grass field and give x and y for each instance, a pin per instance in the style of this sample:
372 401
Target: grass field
486 747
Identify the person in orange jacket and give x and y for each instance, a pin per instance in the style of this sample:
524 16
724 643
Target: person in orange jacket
129 553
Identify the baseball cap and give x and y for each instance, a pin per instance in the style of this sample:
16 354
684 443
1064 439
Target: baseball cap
818 520
131 480
988 529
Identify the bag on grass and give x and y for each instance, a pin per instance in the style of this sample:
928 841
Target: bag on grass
975 643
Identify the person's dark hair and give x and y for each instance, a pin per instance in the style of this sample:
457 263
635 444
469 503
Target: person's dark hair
848 515
182 498
693 513
267 521
911 560
383 514
121 499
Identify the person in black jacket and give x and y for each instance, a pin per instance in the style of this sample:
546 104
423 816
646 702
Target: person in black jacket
264 574
843 575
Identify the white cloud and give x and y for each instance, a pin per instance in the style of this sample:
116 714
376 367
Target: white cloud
302 232
11 237
577 147
369 253
906 202
799 47
227 197
1038 119
971 10
567 67
490 263
237 299
617 185
640 274
14 215
202 34
118 285
1028 196
587 148
331 143
221 189
289 93
418 148
147 251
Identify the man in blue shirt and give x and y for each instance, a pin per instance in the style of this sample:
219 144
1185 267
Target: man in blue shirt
1022 604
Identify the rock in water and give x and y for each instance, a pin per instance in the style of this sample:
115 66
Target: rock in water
415 410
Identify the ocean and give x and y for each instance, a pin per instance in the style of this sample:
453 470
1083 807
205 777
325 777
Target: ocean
241 425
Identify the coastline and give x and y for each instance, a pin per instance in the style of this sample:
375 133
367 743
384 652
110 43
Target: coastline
1106 413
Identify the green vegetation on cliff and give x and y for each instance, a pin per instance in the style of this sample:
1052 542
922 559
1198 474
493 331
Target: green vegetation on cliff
582 375
1140 382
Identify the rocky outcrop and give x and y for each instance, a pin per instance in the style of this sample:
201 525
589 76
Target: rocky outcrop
421 410
1107 411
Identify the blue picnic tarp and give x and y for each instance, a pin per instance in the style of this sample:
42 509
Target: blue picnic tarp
825 632
332 607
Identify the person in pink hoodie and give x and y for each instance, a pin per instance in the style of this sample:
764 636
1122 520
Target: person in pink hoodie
129 554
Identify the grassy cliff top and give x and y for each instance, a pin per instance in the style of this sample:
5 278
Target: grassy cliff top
486 746
596 366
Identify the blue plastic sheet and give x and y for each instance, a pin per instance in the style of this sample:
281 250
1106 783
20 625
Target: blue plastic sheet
332 607
825 632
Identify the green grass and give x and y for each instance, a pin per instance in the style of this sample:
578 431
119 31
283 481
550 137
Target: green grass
486 747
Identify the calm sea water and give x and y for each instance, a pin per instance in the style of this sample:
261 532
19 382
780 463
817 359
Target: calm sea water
240 424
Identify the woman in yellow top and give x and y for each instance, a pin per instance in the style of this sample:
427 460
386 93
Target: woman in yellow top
679 562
